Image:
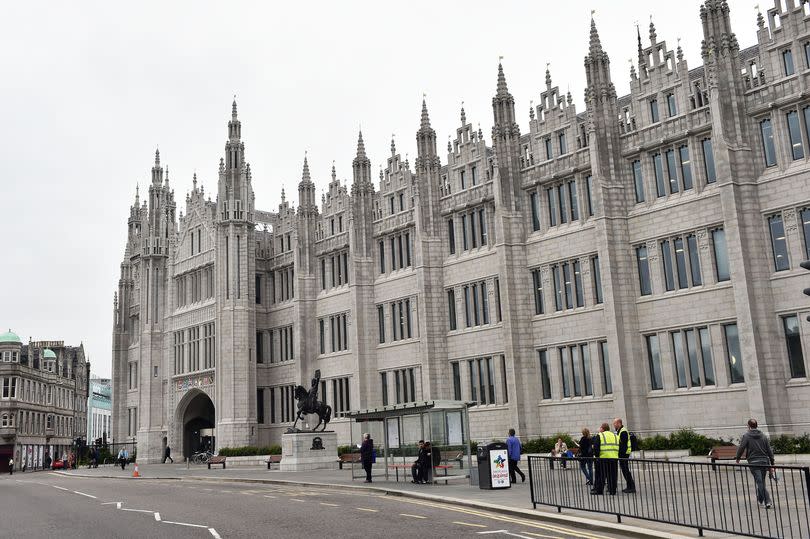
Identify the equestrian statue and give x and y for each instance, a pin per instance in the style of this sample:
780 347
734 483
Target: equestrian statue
308 403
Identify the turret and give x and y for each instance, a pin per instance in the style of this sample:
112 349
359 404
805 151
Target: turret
361 168
505 139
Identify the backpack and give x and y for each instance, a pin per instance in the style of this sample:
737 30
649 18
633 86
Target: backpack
635 442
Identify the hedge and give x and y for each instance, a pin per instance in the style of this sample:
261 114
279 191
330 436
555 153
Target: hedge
249 451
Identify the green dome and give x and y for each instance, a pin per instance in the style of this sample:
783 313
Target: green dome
48 354
9 337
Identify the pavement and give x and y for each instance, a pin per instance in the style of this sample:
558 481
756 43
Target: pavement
242 501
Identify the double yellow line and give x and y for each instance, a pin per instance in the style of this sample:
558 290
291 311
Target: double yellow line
502 518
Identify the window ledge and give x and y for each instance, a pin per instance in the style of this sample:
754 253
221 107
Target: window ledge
797 382
397 343
276 363
474 329
708 390
331 355
488 407
567 312
566 401
684 292
470 254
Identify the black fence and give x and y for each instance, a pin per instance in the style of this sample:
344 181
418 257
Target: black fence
719 497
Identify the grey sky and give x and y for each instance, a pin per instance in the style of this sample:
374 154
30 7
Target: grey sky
89 89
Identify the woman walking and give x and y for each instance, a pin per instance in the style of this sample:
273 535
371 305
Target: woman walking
585 445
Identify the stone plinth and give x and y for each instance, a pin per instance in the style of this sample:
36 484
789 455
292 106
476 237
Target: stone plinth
298 455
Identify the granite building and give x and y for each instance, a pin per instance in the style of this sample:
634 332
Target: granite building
99 411
637 259
43 401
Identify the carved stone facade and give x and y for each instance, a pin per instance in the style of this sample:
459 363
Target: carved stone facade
650 219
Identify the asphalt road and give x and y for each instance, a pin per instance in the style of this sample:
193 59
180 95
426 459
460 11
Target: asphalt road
43 504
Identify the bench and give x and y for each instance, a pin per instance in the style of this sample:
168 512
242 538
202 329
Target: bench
443 467
459 459
216 460
348 458
274 459
722 452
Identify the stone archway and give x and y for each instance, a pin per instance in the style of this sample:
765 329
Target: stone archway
197 421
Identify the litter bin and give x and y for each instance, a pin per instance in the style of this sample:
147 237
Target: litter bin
493 466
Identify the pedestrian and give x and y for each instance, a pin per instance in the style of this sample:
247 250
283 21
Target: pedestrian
560 451
607 451
759 454
513 455
625 449
168 455
47 460
433 457
417 467
367 455
11 466
586 455
121 458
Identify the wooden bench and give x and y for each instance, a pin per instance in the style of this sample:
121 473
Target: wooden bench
216 460
348 458
274 459
722 452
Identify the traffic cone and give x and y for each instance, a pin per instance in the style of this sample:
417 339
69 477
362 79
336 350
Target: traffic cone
135 472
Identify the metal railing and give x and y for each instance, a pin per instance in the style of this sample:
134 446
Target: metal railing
715 497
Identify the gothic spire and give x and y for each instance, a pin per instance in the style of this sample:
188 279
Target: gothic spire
233 109
393 146
548 77
502 90
305 174
595 43
463 115
361 147
653 35
425 118
641 60
157 157
334 174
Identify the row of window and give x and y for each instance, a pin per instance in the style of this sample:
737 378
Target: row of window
392 203
562 202
401 321
338 333
569 291
794 132
678 171
787 59
29 422
476 304
195 234
680 261
692 357
481 386
399 252
279 347
779 245
10 356
671 108
194 349
283 408
473 224
338 264
404 385
282 284
575 370
194 286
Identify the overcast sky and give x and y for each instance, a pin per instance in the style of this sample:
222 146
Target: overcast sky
89 90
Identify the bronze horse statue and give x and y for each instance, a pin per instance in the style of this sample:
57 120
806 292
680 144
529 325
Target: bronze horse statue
308 403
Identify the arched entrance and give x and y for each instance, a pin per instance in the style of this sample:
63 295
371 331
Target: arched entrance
198 422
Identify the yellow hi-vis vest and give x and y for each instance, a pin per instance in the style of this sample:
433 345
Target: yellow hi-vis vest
618 436
608 445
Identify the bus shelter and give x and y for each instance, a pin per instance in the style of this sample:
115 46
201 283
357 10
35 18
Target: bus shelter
444 423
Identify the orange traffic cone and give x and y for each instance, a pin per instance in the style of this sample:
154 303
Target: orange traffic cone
135 472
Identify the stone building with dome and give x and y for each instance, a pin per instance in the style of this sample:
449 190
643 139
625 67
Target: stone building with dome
43 401
638 258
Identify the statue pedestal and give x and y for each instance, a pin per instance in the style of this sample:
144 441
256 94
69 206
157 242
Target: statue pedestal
300 451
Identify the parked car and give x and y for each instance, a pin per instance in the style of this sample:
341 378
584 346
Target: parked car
58 464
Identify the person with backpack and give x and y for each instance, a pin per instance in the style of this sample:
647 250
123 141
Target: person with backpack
625 450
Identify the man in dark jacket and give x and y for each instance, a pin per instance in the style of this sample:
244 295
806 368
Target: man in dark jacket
759 454
367 455
418 466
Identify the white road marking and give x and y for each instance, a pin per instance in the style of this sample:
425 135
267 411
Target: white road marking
266 496
137 510
411 516
83 494
369 510
505 532
469 524
60 488
214 533
157 516
208 489
118 505
111 503
185 524
296 500
330 504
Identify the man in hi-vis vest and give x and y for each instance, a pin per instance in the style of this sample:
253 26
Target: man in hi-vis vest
624 454
606 449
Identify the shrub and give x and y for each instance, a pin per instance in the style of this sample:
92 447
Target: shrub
344 449
249 451
785 444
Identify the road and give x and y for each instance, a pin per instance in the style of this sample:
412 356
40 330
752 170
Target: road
47 505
